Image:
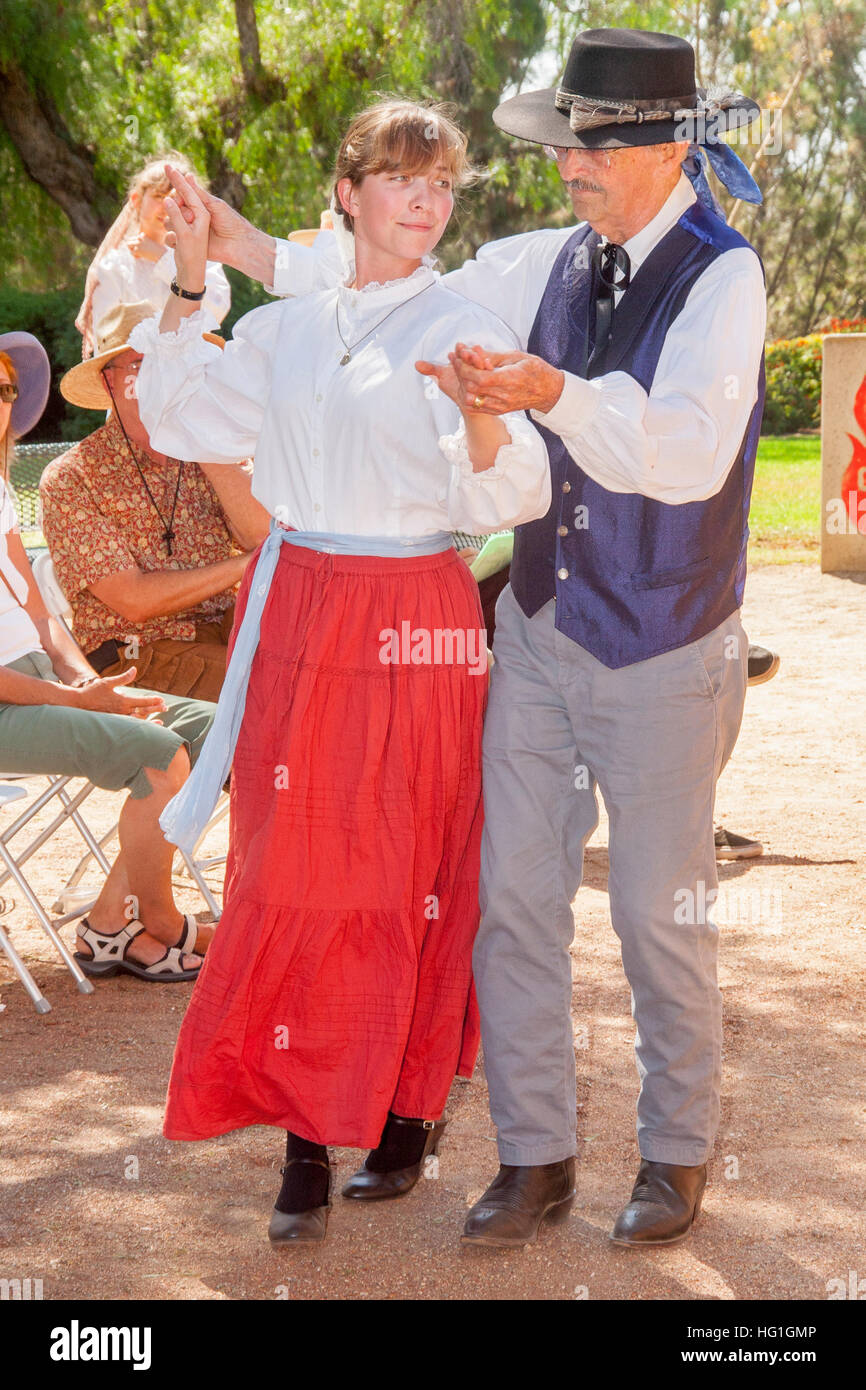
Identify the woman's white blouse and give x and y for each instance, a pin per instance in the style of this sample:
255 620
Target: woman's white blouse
127 279
370 448
18 633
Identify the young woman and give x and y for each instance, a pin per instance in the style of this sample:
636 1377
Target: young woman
134 263
336 1001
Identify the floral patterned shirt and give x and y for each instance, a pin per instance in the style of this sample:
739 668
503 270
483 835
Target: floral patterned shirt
98 520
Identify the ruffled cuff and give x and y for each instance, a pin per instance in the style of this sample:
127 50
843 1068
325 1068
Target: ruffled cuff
146 337
455 450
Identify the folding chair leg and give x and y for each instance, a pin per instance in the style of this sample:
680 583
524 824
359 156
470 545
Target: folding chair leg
78 872
27 980
84 985
202 885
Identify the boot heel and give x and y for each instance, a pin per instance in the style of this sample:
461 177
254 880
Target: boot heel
440 1135
560 1212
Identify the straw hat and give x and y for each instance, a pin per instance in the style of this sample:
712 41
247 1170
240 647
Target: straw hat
34 379
305 236
84 384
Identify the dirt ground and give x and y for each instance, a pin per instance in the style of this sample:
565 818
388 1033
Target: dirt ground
82 1087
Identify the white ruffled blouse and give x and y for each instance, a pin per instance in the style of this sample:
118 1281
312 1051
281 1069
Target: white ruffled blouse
367 448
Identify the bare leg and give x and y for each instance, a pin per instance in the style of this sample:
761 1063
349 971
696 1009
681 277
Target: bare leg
139 884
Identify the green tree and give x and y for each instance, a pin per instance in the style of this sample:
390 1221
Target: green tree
256 95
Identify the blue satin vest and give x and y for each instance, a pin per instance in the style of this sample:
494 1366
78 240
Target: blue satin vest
643 576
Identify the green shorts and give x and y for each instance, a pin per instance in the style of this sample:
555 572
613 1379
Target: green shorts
112 750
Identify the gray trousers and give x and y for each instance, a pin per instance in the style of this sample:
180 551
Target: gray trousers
654 737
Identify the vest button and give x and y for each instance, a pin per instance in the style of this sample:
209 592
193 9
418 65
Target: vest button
562 574
562 530
566 487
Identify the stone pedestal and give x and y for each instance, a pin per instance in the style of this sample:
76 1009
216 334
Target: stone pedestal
843 453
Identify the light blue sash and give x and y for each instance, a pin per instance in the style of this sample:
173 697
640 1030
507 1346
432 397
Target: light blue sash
184 818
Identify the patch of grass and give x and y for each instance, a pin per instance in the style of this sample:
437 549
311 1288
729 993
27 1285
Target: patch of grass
785 517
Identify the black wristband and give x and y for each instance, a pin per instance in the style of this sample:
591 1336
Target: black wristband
186 294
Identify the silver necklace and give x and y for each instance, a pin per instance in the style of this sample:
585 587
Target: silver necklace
350 347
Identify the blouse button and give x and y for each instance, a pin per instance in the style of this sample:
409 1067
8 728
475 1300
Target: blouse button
566 487
562 530
318 398
562 574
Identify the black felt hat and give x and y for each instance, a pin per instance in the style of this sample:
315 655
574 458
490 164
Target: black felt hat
625 87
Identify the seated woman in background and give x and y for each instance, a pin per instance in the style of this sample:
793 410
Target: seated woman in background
58 716
133 262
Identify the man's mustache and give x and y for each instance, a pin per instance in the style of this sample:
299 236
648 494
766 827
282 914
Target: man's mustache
583 186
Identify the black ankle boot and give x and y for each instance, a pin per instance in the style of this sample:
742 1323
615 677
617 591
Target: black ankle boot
300 1215
393 1168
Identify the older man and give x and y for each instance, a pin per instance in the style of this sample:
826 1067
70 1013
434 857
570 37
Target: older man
620 656
147 549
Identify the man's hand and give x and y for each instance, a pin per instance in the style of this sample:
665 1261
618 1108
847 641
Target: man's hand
507 381
144 248
108 695
232 240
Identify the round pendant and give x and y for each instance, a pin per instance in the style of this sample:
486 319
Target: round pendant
347 357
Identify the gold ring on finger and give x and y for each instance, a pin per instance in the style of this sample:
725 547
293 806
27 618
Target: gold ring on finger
478 402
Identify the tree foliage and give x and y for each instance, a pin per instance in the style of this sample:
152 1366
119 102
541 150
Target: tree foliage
258 94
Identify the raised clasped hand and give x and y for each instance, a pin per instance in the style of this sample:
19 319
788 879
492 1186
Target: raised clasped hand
226 227
189 229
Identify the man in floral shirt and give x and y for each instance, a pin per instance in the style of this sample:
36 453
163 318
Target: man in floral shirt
148 549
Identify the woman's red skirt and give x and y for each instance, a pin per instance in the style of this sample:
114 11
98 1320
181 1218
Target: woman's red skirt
338 985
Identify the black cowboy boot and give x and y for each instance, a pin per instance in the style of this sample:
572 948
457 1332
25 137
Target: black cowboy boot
517 1201
394 1166
665 1204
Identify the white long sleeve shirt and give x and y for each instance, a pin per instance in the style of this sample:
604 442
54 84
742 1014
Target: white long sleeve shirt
366 448
675 443
127 279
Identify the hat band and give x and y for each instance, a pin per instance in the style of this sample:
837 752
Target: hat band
589 113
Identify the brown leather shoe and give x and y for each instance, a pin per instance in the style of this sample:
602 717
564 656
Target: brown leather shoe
369 1186
301 1227
517 1201
665 1203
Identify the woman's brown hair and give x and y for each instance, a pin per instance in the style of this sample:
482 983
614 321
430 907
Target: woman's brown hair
407 135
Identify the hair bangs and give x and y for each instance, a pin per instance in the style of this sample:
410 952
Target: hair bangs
415 145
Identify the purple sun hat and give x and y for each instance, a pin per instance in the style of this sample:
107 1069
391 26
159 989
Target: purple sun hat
34 379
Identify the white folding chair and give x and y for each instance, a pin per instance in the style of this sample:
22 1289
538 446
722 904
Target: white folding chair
8 794
14 870
52 595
